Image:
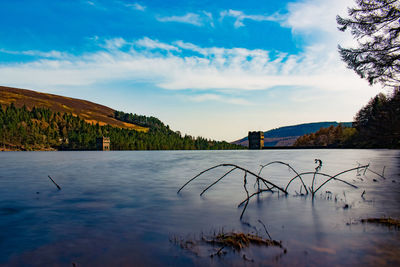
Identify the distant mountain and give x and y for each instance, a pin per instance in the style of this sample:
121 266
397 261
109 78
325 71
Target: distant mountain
90 112
286 136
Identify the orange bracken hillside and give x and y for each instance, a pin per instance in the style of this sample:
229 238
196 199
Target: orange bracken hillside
86 110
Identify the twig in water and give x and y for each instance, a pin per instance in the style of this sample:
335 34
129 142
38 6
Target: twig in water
317 169
326 175
240 168
217 180
340 173
290 167
219 252
383 171
265 228
258 181
252 195
59 188
247 193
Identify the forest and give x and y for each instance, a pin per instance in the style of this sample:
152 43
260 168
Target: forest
43 129
376 125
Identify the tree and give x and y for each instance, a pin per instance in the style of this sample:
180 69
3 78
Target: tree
378 123
376 27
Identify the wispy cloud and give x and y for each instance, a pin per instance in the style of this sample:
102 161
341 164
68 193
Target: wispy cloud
34 53
199 19
114 43
189 18
219 98
240 16
213 68
136 6
155 44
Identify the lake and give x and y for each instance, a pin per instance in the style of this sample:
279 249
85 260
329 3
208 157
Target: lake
121 208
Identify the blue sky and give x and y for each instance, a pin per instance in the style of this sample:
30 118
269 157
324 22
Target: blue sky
215 69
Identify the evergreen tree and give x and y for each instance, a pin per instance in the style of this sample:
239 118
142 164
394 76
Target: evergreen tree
376 27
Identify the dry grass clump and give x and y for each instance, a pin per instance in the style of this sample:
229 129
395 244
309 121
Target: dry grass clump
241 240
225 243
383 221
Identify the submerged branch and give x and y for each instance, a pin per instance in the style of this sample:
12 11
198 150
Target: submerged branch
383 172
208 187
290 167
247 193
331 177
254 194
340 173
237 167
270 186
209 169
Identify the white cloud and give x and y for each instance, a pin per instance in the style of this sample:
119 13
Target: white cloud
214 68
114 43
189 18
200 19
191 47
241 16
311 15
35 53
137 6
155 44
209 17
317 18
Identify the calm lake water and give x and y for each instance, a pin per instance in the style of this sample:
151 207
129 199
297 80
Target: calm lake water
122 208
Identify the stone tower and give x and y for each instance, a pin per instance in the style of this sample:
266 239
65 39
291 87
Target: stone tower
256 140
103 143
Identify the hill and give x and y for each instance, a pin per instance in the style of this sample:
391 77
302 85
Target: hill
91 112
287 135
31 120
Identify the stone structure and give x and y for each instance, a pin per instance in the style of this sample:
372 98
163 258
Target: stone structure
103 143
256 140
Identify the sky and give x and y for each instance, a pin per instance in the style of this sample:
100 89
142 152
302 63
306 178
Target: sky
216 69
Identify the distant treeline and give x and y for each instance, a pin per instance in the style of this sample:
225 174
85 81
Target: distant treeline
152 123
42 129
376 125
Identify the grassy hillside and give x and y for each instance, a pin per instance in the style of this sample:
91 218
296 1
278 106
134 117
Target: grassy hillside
91 112
35 121
287 135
